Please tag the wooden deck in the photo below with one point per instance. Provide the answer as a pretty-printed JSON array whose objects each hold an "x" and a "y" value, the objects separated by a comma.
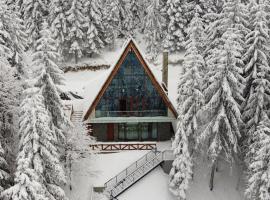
[{"x": 120, "y": 146}]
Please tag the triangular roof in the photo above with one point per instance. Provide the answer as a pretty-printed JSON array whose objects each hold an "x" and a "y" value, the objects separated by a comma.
[{"x": 130, "y": 45}]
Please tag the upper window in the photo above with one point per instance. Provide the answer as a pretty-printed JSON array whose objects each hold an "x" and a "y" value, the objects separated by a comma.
[{"x": 131, "y": 93}]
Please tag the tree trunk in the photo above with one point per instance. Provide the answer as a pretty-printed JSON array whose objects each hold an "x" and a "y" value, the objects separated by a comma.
[
  {"x": 211, "y": 183},
  {"x": 76, "y": 56},
  {"x": 70, "y": 172}
]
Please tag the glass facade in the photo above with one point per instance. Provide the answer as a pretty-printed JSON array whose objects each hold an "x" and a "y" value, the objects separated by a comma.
[
  {"x": 131, "y": 93},
  {"x": 137, "y": 131}
]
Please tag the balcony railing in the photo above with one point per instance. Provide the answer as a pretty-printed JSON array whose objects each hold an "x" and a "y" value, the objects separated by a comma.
[{"x": 143, "y": 113}]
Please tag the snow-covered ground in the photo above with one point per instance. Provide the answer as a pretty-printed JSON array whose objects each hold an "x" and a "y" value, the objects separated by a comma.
[{"x": 95, "y": 170}]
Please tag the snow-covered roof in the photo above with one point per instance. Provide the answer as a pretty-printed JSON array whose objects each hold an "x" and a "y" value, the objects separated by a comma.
[{"x": 94, "y": 87}]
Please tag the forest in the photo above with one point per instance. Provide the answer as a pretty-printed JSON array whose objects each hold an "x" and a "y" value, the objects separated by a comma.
[{"x": 223, "y": 88}]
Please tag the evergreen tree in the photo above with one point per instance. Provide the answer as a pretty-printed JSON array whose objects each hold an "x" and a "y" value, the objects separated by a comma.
[
  {"x": 256, "y": 70},
  {"x": 259, "y": 169},
  {"x": 76, "y": 22},
  {"x": 34, "y": 12},
  {"x": 176, "y": 10},
  {"x": 255, "y": 110},
  {"x": 58, "y": 21},
  {"x": 38, "y": 168},
  {"x": 233, "y": 15},
  {"x": 95, "y": 30},
  {"x": 12, "y": 34},
  {"x": 190, "y": 96},
  {"x": 132, "y": 18},
  {"x": 154, "y": 24},
  {"x": 114, "y": 15},
  {"x": 222, "y": 96},
  {"x": 4, "y": 171},
  {"x": 181, "y": 171},
  {"x": 50, "y": 77}
]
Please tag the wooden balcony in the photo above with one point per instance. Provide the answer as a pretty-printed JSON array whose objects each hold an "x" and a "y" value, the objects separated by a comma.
[{"x": 121, "y": 146}]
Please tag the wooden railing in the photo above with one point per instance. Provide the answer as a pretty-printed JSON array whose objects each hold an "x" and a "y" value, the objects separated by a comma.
[{"x": 119, "y": 146}]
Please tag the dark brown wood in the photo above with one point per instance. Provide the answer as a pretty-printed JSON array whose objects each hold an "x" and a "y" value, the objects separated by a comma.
[
  {"x": 126, "y": 146},
  {"x": 131, "y": 47}
]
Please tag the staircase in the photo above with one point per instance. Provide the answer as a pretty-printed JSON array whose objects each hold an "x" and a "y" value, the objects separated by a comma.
[
  {"x": 129, "y": 176},
  {"x": 76, "y": 117}
]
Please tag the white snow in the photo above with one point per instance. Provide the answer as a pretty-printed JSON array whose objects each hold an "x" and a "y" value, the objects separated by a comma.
[{"x": 95, "y": 170}]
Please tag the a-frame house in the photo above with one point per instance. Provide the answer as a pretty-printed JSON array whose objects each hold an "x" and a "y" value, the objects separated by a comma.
[{"x": 131, "y": 104}]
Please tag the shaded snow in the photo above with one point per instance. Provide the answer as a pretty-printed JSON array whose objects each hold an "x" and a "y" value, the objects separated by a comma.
[
  {"x": 153, "y": 186},
  {"x": 95, "y": 170}
]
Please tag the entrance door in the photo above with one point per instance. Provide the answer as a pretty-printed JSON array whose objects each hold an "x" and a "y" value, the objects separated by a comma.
[{"x": 110, "y": 132}]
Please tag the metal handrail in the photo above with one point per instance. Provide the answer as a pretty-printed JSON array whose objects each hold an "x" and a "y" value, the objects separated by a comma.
[
  {"x": 118, "y": 184},
  {"x": 158, "y": 158},
  {"x": 127, "y": 170}
]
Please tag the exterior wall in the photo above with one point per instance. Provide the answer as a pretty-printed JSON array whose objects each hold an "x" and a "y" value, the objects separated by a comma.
[
  {"x": 100, "y": 132},
  {"x": 164, "y": 131}
]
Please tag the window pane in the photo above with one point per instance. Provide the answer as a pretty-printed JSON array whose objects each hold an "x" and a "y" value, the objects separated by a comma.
[
  {"x": 154, "y": 131},
  {"x": 144, "y": 131}
]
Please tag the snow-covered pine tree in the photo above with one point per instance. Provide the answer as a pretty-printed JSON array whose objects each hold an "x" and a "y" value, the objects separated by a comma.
[
  {"x": 154, "y": 24},
  {"x": 132, "y": 20},
  {"x": 255, "y": 110},
  {"x": 177, "y": 24},
  {"x": 256, "y": 69},
  {"x": 95, "y": 32},
  {"x": 50, "y": 77},
  {"x": 13, "y": 34},
  {"x": 8, "y": 92},
  {"x": 58, "y": 21},
  {"x": 233, "y": 15},
  {"x": 34, "y": 12},
  {"x": 190, "y": 90},
  {"x": 4, "y": 171},
  {"x": 38, "y": 168},
  {"x": 181, "y": 171},
  {"x": 222, "y": 96},
  {"x": 259, "y": 168},
  {"x": 78, "y": 141},
  {"x": 114, "y": 14},
  {"x": 76, "y": 22}
]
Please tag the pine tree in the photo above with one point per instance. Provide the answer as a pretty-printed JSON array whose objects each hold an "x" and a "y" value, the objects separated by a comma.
[
  {"x": 176, "y": 10},
  {"x": 181, "y": 171},
  {"x": 114, "y": 15},
  {"x": 50, "y": 77},
  {"x": 76, "y": 22},
  {"x": 259, "y": 169},
  {"x": 13, "y": 34},
  {"x": 255, "y": 110},
  {"x": 132, "y": 19},
  {"x": 190, "y": 96},
  {"x": 4, "y": 171},
  {"x": 33, "y": 12},
  {"x": 95, "y": 35},
  {"x": 222, "y": 96},
  {"x": 154, "y": 24},
  {"x": 233, "y": 15},
  {"x": 38, "y": 168},
  {"x": 256, "y": 69},
  {"x": 58, "y": 21}
]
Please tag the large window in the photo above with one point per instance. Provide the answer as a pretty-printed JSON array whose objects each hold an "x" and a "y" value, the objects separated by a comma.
[
  {"x": 131, "y": 93},
  {"x": 137, "y": 131}
]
